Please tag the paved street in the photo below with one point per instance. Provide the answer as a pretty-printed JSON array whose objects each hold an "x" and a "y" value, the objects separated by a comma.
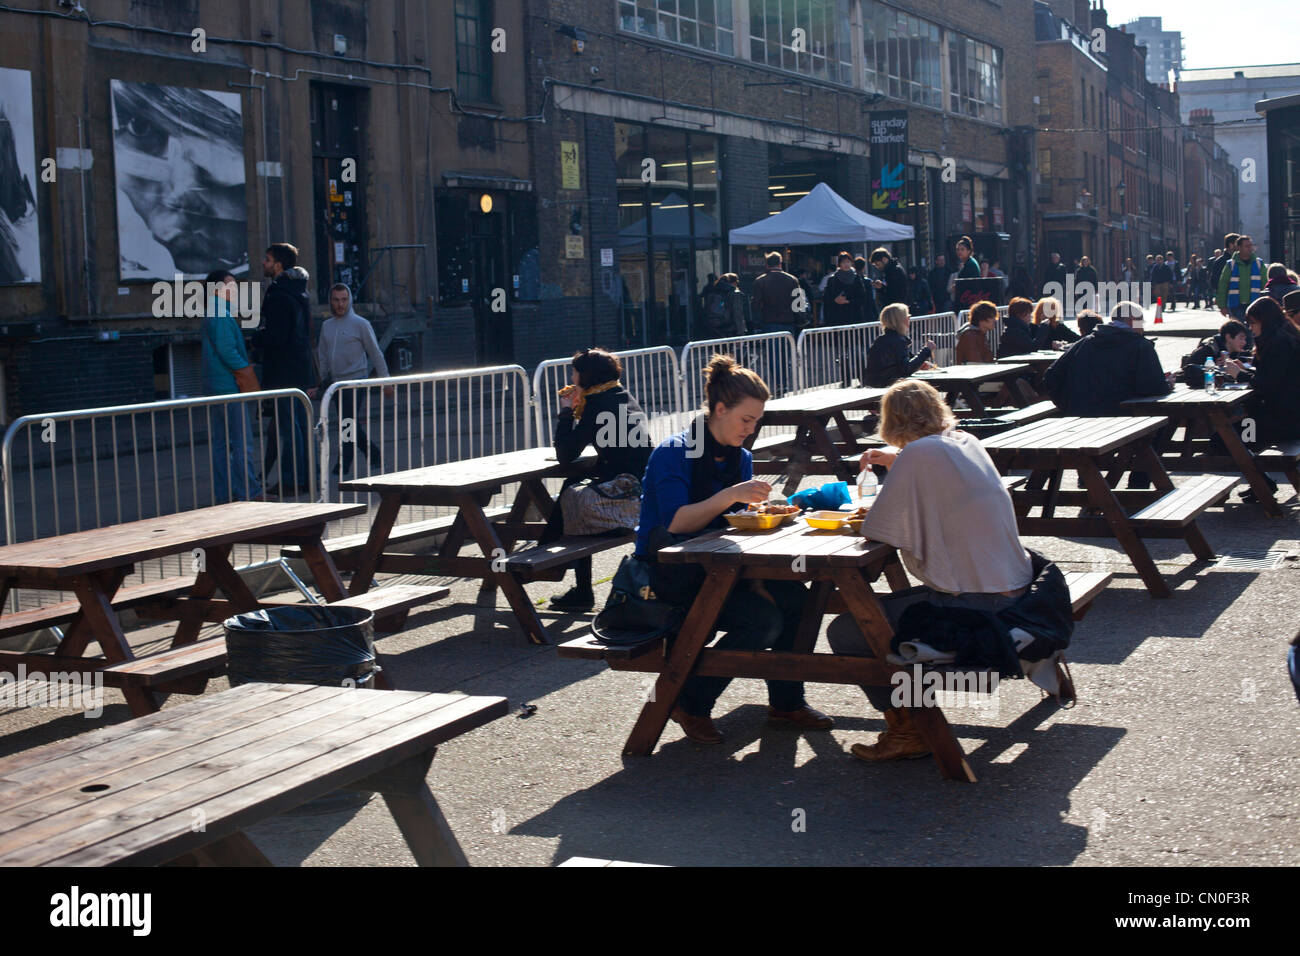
[{"x": 1180, "y": 751}]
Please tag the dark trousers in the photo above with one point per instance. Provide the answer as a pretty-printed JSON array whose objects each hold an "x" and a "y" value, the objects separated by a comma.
[
  {"x": 752, "y": 623},
  {"x": 286, "y": 442},
  {"x": 845, "y": 637}
]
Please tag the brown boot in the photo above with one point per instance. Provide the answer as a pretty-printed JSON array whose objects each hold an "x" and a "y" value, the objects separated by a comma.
[
  {"x": 699, "y": 729},
  {"x": 900, "y": 741}
]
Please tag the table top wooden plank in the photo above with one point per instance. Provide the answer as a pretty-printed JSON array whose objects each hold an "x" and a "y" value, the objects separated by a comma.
[
  {"x": 973, "y": 374},
  {"x": 825, "y": 401},
  {"x": 115, "y": 546},
  {"x": 1185, "y": 399},
  {"x": 472, "y": 474},
  {"x": 817, "y": 548},
  {"x": 350, "y": 754},
  {"x": 344, "y": 731},
  {"x": 1039, "y": 357},
  {"x": 1089, "y": 436}
]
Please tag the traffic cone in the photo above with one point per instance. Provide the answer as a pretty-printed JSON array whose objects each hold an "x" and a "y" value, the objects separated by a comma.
[{"x": 1160, "y": 310}]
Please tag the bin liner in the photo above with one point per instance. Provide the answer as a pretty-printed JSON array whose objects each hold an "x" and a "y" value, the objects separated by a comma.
[{"x": 322, "y": 644}]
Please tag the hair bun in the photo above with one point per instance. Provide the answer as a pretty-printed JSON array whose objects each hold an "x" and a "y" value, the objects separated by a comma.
[{"x": 719, "y": 366}]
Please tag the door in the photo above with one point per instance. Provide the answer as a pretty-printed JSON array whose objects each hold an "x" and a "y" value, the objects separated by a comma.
[
  {"x": 338, "y": 189},
  {"x": 491, "y": 286}
]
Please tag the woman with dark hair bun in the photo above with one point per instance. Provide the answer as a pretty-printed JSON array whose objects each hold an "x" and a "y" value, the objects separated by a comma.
[
  {"x": 693, "y": 479},
  {"x": 1275, "y": 381},
  {"x": 597, "y": 411},
  {"x": 970, "y": 267}
]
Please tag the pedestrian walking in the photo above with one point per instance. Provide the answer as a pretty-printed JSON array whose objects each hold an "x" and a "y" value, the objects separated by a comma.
[
  {"x": 774, "y": 296},
  {"x": 346, "y": 351},
  {"x": 227, "y": 371}
]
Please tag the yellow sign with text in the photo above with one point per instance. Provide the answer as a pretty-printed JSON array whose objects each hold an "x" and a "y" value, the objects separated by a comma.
[
  {"x": 570, "y": 178},
  {"x": 573, "y": 248}
]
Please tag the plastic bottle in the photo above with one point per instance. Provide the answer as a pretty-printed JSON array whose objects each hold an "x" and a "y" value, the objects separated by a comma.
[
  {"x": 1210, "y": 369},
  {"x": 868, "y": 485}
]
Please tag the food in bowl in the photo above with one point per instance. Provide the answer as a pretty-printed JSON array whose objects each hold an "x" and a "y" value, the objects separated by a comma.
[{"x": 837, "y": 520}]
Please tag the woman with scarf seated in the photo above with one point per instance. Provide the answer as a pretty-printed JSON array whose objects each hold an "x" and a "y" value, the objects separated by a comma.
[
  {"x": 597, "y": 411},
  {"x": 693, "y": 479},
  {"x": 965, "y": 547}
]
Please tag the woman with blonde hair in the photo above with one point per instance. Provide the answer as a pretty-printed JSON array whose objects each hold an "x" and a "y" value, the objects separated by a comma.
[
  {"x": 964, "y": 548},
  {"x": 1048, "y": 327},
  {"x": 693, "y": 478},
  {"x": 889, "y": 357}
]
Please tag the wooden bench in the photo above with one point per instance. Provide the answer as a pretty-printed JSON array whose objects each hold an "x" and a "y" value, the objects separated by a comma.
[
  {"x": 1178, "y": 508},
  {"x": 351, "y": 544},
  {"x": 52, "y": 615},
  {"x": 181, "y": 785},
  {"x": 1084, "y": 588},
  {"x": 1283, "y": 457},
  {"x": 208, "y": 657},
  {"x": 548, "y": 562}
]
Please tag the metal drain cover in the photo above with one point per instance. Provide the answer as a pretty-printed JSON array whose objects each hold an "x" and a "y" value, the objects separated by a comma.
[{"x": 1251, "y": 561}]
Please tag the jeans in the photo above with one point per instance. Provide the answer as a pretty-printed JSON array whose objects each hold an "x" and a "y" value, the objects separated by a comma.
[
  {"x": 286, "y": 441},
  {"x": 846, "y": 637},
  {"x": 233, "y": 453},
  {"x": 753, "y": 623}
]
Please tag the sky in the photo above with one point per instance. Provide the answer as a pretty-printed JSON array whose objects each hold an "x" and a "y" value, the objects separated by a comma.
[{"x": 1218, "y": 33}]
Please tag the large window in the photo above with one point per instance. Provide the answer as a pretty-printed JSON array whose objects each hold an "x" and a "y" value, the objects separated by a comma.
[
  {"x": 706, "y": 24},
  {"x": 474, "y": 50},
  {"x": 975, "y": 79},
  {"x": 803, "y": 36},
  {"x": 903, "y": 55}
]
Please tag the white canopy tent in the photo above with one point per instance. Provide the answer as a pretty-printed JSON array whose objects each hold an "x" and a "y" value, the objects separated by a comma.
[{"x": 823, "y": 216}]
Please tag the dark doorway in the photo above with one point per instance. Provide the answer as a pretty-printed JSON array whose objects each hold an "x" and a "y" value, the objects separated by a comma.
[
  {"x": 473, "y": 267},
  {"x": 338, "y": 187}
]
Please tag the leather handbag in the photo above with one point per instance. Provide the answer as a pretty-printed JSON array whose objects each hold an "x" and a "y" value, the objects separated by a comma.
[
  {"x": 591, "y": 507},
  {"x": 634, "y": 613}
]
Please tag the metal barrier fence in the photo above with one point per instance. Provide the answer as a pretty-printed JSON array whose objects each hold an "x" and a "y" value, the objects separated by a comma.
[
  {"x": 939, "y": 327},
  {"x": 651, "y": 375},
  {"x": 88, "y": 468},
  {"x": 381, "y": 425},
  {"x": 771, "y": 355},
  {"x": 834, "y": 355}
]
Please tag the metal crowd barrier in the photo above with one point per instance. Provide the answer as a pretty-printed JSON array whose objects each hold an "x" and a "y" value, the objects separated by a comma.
[
  {"x": 380, "y": 425},
  {"x": 88, "y": 468},
  {"x": 834, "y": 355},
  {"x": 771, "y": 355}
]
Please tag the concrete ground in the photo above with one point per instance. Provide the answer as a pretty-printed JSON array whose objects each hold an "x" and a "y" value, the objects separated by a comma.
[{"x": 1181, "y": 750}]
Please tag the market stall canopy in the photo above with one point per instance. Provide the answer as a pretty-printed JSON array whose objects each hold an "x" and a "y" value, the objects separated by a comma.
[{"x": 821, "y": 216}]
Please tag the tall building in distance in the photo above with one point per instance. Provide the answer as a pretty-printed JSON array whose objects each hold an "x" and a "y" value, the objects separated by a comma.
[{"x": 1164, "y": 47}]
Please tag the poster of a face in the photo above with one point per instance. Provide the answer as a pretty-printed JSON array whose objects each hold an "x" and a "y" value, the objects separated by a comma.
[
  {"x": 20, "y": 230},
  {"x": 179, "y": 158}
]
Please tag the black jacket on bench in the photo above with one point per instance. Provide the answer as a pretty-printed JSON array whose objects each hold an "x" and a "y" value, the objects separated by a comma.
[
  {"x": 983, "y": 639},
  {"x": 607, "y": 414}
]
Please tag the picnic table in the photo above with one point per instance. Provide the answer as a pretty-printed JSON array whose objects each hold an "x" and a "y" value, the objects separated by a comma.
[
  {"x": 1090, "y": 447},
  {"x": 94, "y": 564},
  {"x": 468, "y": 486},
  {"x": 181, "y": 785},
  {"x": 841, "y": 568},
  {"x": 964, "y": 381},
  {"x": 1040, "y": 361},
  {"x": 1203, "y": 414},
  {"x": 811, "y": 414}
]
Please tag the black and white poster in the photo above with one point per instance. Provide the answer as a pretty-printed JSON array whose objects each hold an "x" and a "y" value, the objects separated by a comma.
[
  {"x": 20, "y": 230},
  {"x": 178, "y": 155}
]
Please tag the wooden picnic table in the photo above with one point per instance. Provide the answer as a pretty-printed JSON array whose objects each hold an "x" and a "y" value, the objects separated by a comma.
[
  {"x": 1090, "y": 447},
  {"x": 183, "y": 784},
  {"x": 964, "y": 381},
  {"x": 811, "y": 414},
  {"x": 94, "y": 564},
  {"x": 468, "y": 486},
  {"x": 1040, "y": 361},
  {"x": 1202, "y": 414}
]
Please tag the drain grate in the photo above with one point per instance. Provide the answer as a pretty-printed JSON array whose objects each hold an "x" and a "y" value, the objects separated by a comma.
[{"x": 1251, "y": 561}]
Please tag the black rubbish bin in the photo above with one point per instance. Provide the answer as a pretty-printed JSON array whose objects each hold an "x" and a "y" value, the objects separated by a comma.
[{"x": 312, "y": 644}]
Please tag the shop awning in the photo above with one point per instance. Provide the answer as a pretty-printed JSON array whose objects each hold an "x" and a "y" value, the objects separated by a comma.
[{"x": 821, "y": 216}]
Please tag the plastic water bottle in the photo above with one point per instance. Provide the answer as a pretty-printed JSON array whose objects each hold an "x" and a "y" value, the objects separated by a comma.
[
  {"x": 868, "y": 485},
  {"x": 1210, "y": 369}
]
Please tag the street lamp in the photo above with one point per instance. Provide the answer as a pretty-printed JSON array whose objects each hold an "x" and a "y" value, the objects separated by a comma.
[
  {"x": 1187, "y": 231},
  {"x": 1121, "y": 189}
]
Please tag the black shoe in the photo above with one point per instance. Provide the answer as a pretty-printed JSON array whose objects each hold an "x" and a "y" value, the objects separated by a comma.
[{"x": 577, "y": 600}]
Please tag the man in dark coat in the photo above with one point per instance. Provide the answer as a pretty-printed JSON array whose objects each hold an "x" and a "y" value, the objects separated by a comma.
[
  {"x": 1113, "y": 364},
  {"x": 774, "y": 297},
  {"x": 895, "y": 287},
  {"x": 847, "y": 301},
  {"x": 284, "y": 341},
  {"x": 1056, "y": 272},
  {"x": 938, "y": 279}
]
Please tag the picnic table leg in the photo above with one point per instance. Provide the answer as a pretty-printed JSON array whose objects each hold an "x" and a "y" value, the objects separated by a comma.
[
  {"x": 1101, "y": 495},
  {"x": 810, "y": 623},
  {"x": 382, "y": 527},
  {"x": 695, "y": 632},
  {"x": 1245, "y": 462},
  {"x": 896, "y": 574},
  {"x": 1147, "y": 459},
  {"x": 1034, "y": 483},
  {"x": 848, "y": 438},
  {"x": 416, "y": 812},
  {"x": 491, "y": 545},
  {"x": 517, "y": 514},
  {"x": 233, "y": 850},
  {"x": 102, "y": 621},
  {"x": 323, "y": 571},
  {"x": 824, "y": 446},
  {"x": 79, "y": 632},
  {"x": 930, "y": 721},
  {"x": 1053, "y": 493},
  {"x": 973, "y": 398}
]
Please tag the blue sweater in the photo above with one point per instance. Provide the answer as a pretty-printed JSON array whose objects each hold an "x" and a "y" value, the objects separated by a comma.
[
  {"x": 667, "y": 486},
  {"x": 223, "y": 349}
]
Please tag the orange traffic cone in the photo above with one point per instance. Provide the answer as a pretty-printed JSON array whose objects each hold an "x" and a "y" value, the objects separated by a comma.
[{"x": 1160, "y": 310}]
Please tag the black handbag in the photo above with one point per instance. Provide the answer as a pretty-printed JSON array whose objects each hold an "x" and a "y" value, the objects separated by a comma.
[{"x": 634, "y": 613}]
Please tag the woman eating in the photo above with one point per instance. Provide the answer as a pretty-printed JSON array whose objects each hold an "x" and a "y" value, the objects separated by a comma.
[
  {"x": 963, "y": 547},
  {"x": 692, "y": 480}
]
